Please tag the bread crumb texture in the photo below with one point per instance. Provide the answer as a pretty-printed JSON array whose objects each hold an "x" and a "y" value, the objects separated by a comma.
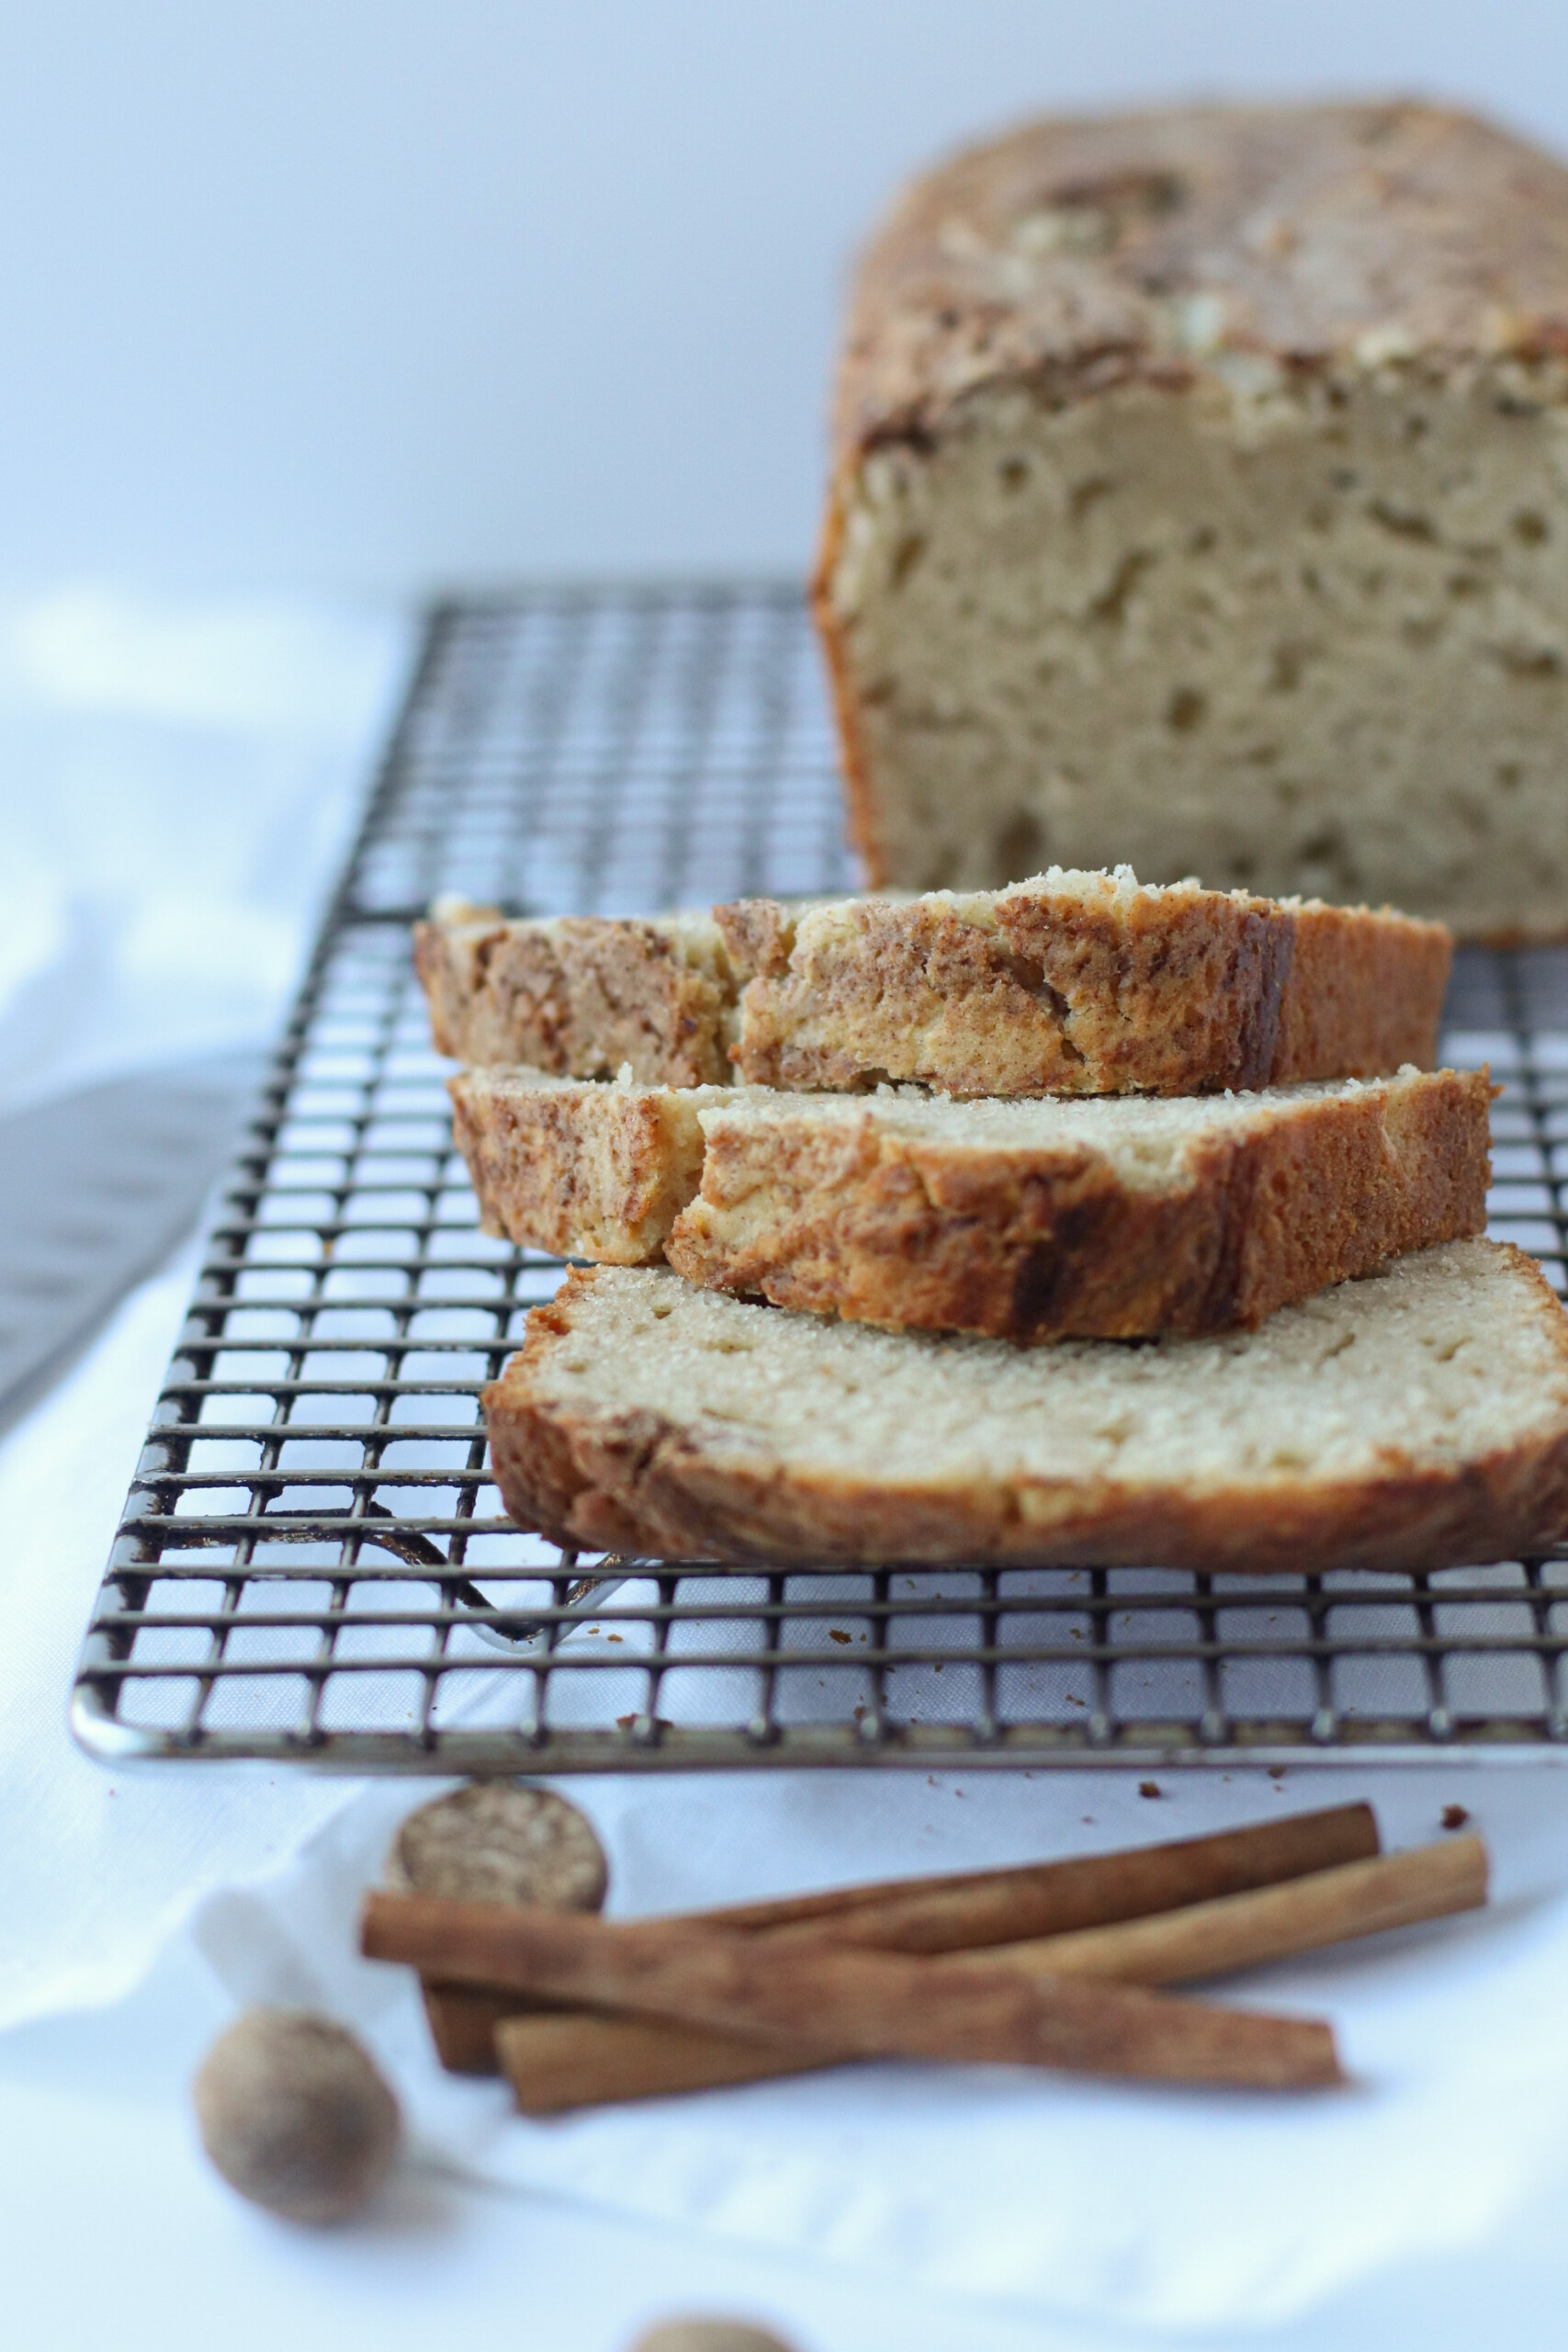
[{"x": 1201, "y": 498}]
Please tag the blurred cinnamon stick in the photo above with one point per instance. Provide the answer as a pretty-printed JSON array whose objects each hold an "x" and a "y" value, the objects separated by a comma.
[
  {"x": 578, "y": 2059},
  {"x": 1273, "y": 1922},
  {"x": 849, "y": 2003},
  {"x": 962, "y": 1911},
  {"x": 969, "y": 1910}
]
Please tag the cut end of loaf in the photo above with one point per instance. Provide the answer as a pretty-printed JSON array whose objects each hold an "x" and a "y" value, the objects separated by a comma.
[{"x": 1141, "y": 516}]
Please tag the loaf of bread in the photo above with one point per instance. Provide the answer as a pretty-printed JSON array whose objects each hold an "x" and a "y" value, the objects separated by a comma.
[
  {"x": 1417, "y": 1419},
  {"x": 1070, "y": 983},
  {"x": 1113, "y": 1216},
  {"x": 1199, "y": 498}
]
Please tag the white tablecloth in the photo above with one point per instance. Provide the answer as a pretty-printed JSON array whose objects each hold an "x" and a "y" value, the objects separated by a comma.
[{"x": 877, "y": 2207}]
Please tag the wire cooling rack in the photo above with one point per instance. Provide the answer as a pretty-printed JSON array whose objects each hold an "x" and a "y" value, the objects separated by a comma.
[{"x": 313, "y": 1564}]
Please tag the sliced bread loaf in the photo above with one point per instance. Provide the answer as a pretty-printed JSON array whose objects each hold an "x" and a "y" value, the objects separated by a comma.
[
  {"x": 1416, "y": 1419},
  {"x": 1107, "y": 1217},
  {"x": 1070, "y": 983}
]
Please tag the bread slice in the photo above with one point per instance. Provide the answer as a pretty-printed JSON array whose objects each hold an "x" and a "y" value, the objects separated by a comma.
[
  {"x": 1113, "y": 1217},
  {"x": 579, "y": 1168},
  {"x": 580, "y": 995},
  {"x": 1088, "y": 984},
  {"x": 1197, "y": 498},
  {"x": 1416, "y": 1419},
  {"x": 1070, "y": 983}
]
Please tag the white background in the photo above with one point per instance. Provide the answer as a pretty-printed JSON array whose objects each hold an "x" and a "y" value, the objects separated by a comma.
[{"x": 367, "y": 294}]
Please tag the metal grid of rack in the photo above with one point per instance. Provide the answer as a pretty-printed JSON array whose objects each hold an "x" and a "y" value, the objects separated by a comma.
[{"x": 313, "y": 1564}]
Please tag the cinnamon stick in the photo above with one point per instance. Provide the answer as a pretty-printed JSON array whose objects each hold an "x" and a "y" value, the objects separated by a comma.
[
  {"x": 968, "y": 1910},
  {"x": 1272, "y": 1922},
  {"x": 581, "y": 2060},
  {"x": 463, "y": 2022},
  {"x": 960, "y": 1911},
  {"x": 864, "y": 2004},
  {"x": 577, "y": 2058}
]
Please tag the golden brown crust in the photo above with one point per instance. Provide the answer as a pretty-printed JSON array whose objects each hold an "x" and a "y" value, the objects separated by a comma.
[
  {"x": 582, "y": 1171},
  {"x": 638, "y": 1482},
  {"x": 577, "y": 997},
  {"x": 853, "y": 1218},
  {"x": 1073, "y": 256},
  {"x": 1091, "y": 992}
]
